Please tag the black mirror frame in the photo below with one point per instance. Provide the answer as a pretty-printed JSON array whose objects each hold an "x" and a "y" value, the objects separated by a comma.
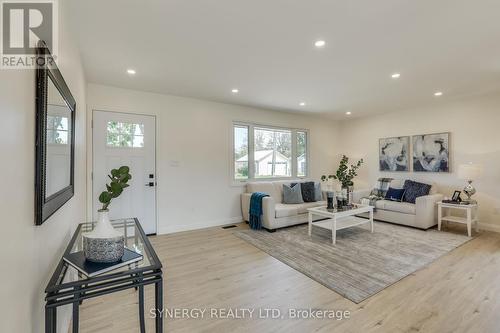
[{"x": 46, "y": 67}]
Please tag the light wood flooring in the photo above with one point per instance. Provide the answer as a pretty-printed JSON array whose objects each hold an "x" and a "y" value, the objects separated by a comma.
[{"x": 212, "y": 268}]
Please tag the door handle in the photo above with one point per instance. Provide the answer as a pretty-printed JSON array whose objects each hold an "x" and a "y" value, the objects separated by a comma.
[{"x": 150, "y": 184}]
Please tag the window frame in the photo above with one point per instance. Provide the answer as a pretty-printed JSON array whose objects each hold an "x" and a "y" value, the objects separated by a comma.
[{"x": 251, "y": 158}]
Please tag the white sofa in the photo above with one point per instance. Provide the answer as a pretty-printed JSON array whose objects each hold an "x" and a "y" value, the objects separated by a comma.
[
  {"x": 422, "y": 214},
  {"x": 276, "y": 214}
]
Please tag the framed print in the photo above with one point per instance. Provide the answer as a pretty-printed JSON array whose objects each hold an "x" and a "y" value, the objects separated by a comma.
[
  {"x": 394, "y": 154},
  {"x": 431, "y": 152}
]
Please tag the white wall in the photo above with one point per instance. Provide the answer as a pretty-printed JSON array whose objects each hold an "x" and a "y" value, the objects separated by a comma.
[
  {"x": 475, "y": 137},
  {"x": 30, "y": 253},
  {"x": 197, "y": 134}
]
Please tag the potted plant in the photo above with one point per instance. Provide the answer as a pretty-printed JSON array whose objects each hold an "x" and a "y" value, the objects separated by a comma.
[
  {"x": 345, "y": 175},
  {"x": 104, "y": 243}
]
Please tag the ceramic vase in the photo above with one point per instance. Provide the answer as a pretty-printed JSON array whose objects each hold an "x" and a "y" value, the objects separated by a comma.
[{"x": 104, "y": 244}]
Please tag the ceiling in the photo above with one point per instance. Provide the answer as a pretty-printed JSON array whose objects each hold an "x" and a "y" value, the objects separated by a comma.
[{"x": 265, "y": 48}]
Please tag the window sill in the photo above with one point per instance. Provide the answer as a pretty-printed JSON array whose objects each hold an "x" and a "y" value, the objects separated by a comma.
[{"x": 241, "y": 183}]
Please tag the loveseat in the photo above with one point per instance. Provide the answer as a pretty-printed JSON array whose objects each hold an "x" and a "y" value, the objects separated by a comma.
[
  {"x": 276, "y": 214},
  {"x": 422, "y": 214}
]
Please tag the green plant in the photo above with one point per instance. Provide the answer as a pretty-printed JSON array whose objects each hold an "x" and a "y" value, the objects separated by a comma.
[
  {"x": 119, "y": 178},
  {"x": 345, "y": 173}
]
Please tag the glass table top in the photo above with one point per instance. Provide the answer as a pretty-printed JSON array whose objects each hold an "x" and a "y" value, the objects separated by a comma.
[
  {"x": 338, "y": 210},
  {"x": 349, "y": 210},
  {"x": 135, "y": 240}
]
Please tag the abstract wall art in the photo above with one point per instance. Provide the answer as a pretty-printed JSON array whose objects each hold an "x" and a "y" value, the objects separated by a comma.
[
  {"x": 431, "y": 152},
  {"x": 394, "y": 154}
]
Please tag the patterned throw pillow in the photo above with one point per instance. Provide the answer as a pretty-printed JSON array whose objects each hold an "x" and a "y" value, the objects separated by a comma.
[
  {"x": 308, "y": 192},
  {"x": 292, "y": 194},
  {"x": 413, "y": 190},
  {"x": 381, "y": 188}
]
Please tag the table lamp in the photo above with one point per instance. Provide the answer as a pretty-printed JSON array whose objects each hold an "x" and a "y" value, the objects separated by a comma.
[{"x": 469, "y": 172}]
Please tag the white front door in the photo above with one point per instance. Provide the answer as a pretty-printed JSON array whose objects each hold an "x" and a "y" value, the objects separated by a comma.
[{"x": 126, "y": 139}]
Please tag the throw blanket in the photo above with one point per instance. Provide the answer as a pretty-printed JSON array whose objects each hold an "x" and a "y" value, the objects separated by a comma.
[
  {"x": 378, "y": 193},
  {"x": 256, "y": 210}
]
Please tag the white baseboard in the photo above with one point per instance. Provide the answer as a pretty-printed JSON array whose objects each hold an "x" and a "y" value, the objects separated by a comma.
[
  {"x": 200, "y": 225},
  {"x": 238, "y": 219},
  {"x": 489, "y": 227}
]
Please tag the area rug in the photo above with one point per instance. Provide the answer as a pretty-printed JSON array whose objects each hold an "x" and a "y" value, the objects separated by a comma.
[{"x": 361, "y": 263}]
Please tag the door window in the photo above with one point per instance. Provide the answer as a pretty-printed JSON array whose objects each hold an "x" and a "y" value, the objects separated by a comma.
[{"x": 124, "y": 135}]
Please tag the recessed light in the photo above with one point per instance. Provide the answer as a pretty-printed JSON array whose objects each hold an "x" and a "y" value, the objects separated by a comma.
[
  {"x": 348, "y": 113},
  {"x": 302, "y": 103},
  {"x": 395, "y": 75},
  {"x": 131, "y": 71},
  {"x": 438, "y": 93},
  {"x": 235, "y": 91},
  {"x": 319, "y": 43}
]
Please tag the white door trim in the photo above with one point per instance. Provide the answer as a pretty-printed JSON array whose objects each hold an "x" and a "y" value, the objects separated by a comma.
[{"x": 90, "y": 157}]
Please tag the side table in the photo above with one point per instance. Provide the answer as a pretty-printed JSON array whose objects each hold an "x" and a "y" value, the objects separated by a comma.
[{"x": 471, "y": 215}]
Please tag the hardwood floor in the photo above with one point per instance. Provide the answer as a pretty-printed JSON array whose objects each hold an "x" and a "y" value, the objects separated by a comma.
[{"x": 211, "y": 268}]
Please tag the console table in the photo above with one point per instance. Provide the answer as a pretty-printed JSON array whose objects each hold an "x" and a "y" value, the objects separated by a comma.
[{"x": 62, "y": 291}]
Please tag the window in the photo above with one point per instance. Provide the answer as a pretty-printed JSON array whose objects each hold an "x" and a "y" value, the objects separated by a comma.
[
  {"x": 240, "y": 152},
  {"x": 301, "y": 154},
  {"x": 262, "y": 152},
  {"x": 272, "y": 153},
  {"x": 125, "y": 135},
  {"x": 57, "y": 130}
]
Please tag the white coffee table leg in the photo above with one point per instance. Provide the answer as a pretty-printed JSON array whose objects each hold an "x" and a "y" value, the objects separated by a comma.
[
  {"x": 309, "y": 220},
  {"x": 334, "y": 231},
  {"x": 371, "y": 220},
  {"x": 440, "y": 216}
]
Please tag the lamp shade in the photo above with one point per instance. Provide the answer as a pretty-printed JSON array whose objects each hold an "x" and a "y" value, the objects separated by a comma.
[{"x": 469, "y": 171}]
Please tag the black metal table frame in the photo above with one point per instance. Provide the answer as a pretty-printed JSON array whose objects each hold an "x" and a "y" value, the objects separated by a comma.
[{"x": 76, "y": 291}]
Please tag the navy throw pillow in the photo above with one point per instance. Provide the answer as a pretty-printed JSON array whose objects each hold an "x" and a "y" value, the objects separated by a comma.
[
  {"x": 413, "y": 190},
  {"x": 308, "y": 191},
  {"x": 395, "y": 194}
]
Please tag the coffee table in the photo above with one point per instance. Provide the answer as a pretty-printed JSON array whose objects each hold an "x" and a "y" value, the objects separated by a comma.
[{"x": 338, "y": 219}]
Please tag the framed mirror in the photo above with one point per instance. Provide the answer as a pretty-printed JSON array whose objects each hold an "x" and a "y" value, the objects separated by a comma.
[{"x": 55, "y": 137}]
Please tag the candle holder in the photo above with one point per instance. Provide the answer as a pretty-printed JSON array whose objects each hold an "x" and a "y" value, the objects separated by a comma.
[{"x": 329, "y": 200}]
